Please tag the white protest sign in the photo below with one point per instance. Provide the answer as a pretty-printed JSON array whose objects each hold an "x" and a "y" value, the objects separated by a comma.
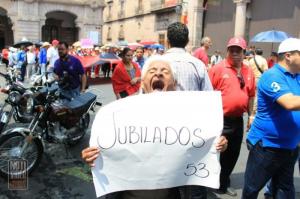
[
  {"x": 94, "y": 36},
  {"x": 158, "y": 140}
]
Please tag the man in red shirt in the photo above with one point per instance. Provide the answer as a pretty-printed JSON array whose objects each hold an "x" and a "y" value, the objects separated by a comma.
[
  {"x": 273, "y": 59},
  {"x": 236, "y": 82},
  {"x": 201, "y": 53},
  {"x": 5, "y": 52}
]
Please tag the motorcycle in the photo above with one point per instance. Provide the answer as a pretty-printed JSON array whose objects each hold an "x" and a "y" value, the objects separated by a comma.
[
  {"x": 57, "y": 119},
  {"x": 11, "y": 107}
]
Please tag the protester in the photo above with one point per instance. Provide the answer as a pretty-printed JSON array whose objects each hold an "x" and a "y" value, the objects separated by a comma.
[
  {"x": 201, "y": 53},
  {"x": 5, "y": 53},
  {"x": 273, "y": 59},
  {"x": 259, "y": 65},
  {"x": 31, "y": 60},
  {"x": 191, "y": 72},
  {"x": 22, "y": 62},
  {"x": 157, "y": 75},
  {"x": 191, "y": 75},
  {"x": 12, "y": 57},
  {"x": 237, "y": 84},
  {"x": 275, "y": 131},
  {"x": 126, "y": 77},
  {"x": 139, "y": 57},
  {"x": 69, "y": 70},
  {"x": 52, "y": 55},
  {"x": 216, "y": 58},
  {"x": 43, "y": 57}
]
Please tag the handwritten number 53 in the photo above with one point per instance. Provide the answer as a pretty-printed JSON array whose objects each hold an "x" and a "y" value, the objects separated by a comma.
[{"x": 198, "y": 170}]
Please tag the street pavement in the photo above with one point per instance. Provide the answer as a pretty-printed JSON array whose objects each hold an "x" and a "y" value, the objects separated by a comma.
[{"x": 62, "y": 174}]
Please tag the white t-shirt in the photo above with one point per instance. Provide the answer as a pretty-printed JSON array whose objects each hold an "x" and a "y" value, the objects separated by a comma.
[
  {"x": 31, "y": 58},
  {"x": 52, "y": 56}
]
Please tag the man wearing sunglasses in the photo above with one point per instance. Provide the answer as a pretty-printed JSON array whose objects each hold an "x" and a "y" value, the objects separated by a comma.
[
  {"x": 275, "y": 131},
  {"x": 236, "y": 82}
]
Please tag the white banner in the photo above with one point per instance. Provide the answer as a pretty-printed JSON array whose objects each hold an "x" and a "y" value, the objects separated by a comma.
[
  {"x": 94, "y": 36},
  {"x": 158, "y": 140}
]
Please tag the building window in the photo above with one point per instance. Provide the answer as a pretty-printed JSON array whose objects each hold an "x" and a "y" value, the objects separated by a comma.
[
  {"x": 109, "y": 34},
  {"x": 121, "y": 33},
  {"x": 139, "y": 8},
  {"x": 121, "y": 13},
  {"x": 109, "y": 15},
  {"x": 162, "y": 39}
]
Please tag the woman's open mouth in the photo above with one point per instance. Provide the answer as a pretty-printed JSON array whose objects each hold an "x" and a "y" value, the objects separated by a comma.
[{"x": 158, "y": 85}]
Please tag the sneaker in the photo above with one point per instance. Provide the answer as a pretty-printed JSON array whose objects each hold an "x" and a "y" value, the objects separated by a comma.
[{"x": 231, "y": 192}]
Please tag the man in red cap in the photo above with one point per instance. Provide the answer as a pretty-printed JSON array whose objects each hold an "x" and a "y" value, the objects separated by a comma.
[{"x": 236, "y": 82}]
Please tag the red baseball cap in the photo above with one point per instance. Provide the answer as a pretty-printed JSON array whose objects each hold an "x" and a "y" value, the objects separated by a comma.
[
  {"x": 237, "y": 41},
  {"x": 55, "y": 42}
]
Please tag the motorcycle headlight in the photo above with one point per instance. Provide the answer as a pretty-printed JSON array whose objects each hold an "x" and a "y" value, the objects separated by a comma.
[
  {"x": 26, "y": 104},
  {"x": 14, "y": 97}
]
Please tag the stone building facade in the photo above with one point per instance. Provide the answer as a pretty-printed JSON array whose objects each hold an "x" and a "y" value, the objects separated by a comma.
[
  {"x": 44, "y": 20},
  {"x": 135, "y": 20}
]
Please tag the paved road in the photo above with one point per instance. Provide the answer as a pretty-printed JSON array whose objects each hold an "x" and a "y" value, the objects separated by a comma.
[{"x": 63, "y": 175}]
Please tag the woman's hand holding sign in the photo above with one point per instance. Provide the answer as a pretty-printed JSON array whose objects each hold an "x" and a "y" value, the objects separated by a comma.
[{"x": 90, "y": 154}]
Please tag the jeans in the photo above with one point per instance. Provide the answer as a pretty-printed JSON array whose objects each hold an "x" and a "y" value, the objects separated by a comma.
[
  {"x": 43, "y": 68},
  {"x": 72, "y": 93},
  {"x": 265, "y": 163}
]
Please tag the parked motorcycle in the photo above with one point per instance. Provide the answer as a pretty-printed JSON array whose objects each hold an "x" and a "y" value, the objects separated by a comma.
[
  {"x": 15, "y": 91},
  {"x": 57, "y": 119}
]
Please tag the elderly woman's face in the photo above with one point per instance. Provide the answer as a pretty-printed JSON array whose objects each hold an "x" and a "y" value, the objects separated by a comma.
[{"x": 158, "y": 77}]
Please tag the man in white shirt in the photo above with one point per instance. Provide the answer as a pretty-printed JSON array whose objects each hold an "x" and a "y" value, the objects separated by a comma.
[
  {"x": 31, "y": 61},
  {"x": 216, "y": 58},
  {"x": 52, "y": 55},
  {"x": 191, "y": 72}
]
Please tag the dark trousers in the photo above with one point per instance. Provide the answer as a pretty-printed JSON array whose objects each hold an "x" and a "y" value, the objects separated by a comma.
[
  {"x": 193, "y": 192},
  {"x": 266, "y": 163},
  {"x": 5, "y": 61},
  {"x": 23, "y": 71},
  {"x": 233, "y": 131}
]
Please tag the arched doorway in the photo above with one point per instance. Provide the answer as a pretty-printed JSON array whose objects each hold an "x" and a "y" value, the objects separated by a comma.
[
  {"x": 6, "y": 33},
  {"x": 60, "y": 25}
]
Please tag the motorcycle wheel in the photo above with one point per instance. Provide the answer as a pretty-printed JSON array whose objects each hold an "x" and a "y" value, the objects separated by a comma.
[
  {"x": 10, "y": 149},
  {"x": 83, "y": 127}
]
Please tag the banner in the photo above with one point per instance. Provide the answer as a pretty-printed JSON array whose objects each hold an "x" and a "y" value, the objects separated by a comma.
[{"x": 158, "y": 140}]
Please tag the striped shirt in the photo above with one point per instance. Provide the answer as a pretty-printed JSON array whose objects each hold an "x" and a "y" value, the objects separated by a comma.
[{"x": 191, "y": 73}]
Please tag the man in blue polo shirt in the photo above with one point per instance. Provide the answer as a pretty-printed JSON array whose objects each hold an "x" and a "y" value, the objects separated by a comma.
[
  {"x": 275, "y": 131},
  {"x": 70, "y": 70}
]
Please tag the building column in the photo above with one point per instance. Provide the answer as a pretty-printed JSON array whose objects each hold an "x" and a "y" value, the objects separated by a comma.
[
  {"x": 42, "y": 23},
  {"x": 195, "y": 19},
  {"x": 81, "y": 29},
  {"x": 240, "y": 17}
]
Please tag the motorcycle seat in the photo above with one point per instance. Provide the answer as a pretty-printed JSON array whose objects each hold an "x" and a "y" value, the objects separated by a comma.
[{"x": 81, "y": 103}]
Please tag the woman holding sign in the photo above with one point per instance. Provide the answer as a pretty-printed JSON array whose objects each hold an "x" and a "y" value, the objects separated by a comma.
[
  {"x": 156, "y": 76},
  {"x": 126, "y": 77}
]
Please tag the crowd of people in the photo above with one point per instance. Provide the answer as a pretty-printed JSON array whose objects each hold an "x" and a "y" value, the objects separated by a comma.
[{"x": 267, "y": 90}]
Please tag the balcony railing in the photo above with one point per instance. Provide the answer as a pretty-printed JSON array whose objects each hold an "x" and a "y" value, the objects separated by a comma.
[{"x": 162, "y": 4}]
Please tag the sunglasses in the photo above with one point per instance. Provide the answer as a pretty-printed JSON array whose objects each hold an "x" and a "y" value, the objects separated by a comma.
[{"x": 241, "y": 80}]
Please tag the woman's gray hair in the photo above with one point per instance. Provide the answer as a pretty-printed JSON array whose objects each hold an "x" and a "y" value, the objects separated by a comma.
[{"x": 158, "y": 58}]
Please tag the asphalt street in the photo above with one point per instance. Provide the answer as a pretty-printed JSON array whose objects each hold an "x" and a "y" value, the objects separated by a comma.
[{"x": 62, "y": 174}]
